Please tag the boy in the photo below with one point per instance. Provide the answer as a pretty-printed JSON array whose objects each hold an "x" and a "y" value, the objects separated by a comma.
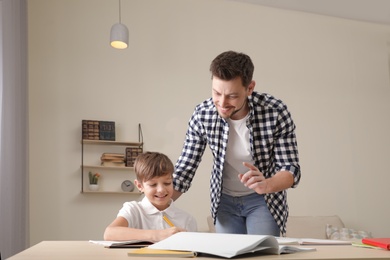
[{"x": 155, "y": 217}]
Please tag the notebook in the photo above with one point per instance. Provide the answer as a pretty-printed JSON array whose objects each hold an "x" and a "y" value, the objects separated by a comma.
[{"x": 122, "y": 244}]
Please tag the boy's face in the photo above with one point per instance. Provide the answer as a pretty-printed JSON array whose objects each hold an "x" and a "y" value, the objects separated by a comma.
[{"x": 158, "y": 190}]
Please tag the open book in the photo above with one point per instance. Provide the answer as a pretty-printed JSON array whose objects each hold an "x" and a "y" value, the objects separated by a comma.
[{"x": 225, "y": 245}]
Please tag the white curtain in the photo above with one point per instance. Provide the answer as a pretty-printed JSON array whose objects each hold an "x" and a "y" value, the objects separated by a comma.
[{"x": 14, "y": 129}]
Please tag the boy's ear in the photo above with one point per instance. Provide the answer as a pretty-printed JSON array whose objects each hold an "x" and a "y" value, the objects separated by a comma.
[{"x": 139, "y": 185}]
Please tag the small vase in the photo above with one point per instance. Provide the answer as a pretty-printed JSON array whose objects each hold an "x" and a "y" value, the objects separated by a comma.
[{"x": 93, "y": 187}]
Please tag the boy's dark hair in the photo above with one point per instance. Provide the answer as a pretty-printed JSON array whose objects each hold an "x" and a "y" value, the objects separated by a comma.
[
  {"x": 230, "y": 65},
  {"x": 152, "y": 164}
]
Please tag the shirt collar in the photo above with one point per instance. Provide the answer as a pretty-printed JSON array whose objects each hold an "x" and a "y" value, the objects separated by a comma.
[
  {"x": 150, "y": 209},
  {"x": 250, "y": 104}
]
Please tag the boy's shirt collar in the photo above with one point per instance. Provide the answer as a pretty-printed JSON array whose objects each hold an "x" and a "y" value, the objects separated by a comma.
[{"x": 150, "y": 209}]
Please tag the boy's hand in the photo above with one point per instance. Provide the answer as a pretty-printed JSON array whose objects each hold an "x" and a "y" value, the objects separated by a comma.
[{"x": 164, "y": 233}]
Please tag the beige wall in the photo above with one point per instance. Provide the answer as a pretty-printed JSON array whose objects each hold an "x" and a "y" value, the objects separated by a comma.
[{"x": 332, "y": 73}]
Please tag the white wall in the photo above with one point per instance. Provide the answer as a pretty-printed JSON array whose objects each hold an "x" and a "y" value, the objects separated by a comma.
[{"x": 332, "y": 73}]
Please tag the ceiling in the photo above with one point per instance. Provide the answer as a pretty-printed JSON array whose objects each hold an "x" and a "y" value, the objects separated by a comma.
[{"x": 376, "y": 11}]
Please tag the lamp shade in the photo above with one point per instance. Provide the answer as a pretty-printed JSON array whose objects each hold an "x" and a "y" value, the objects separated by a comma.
[{"x": 119, "y": 36}]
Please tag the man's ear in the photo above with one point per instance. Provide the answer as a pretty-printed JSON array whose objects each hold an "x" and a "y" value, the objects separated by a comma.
[
  {"x": 251, "y": 87},
  {"x": 139, "y": 185}
]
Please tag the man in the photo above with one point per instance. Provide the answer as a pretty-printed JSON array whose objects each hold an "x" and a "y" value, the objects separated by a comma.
[{"x": 252, "y": 139}]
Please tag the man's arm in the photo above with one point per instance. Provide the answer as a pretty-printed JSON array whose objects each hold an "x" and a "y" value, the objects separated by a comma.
[
  {"x": 255, "y": 180},
  {"x": 280, "y": 181}
]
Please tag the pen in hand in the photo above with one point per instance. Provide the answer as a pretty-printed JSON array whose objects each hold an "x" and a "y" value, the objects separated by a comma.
[{"x": 168, "y": 221}]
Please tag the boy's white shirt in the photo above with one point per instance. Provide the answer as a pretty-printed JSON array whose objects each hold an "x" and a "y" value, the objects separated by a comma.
[{"x": 143, "y": 215}]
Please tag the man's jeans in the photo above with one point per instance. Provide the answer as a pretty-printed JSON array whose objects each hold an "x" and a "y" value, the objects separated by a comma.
[{"x": 245, "y": 215}]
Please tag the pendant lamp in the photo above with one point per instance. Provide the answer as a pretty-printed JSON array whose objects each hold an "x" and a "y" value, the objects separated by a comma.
[{"x": 119, "y": 35}]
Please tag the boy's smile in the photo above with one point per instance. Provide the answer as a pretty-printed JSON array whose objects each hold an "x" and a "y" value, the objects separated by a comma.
[{"x": 158, "y": 190}]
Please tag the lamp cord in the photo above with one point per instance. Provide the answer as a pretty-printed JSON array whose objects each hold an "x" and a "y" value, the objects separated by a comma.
[{"x": 120, "y": 18}]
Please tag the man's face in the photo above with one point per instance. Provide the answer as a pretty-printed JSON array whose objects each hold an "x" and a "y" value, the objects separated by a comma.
[{"x": 230, "y": 97}]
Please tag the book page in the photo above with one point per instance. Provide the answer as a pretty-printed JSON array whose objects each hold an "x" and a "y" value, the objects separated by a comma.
[
  {"x": 292, "y": 249},
  {"x": 310, "y": 241},
  {"x": 313, "y": 241},
  {"x": 225, "y": 245}
]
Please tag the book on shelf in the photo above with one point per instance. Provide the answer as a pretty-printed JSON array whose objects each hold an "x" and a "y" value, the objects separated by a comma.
[
  {"x": 113, "y": 164},
  {"x": 113, "y": 155},
  {"x": 382, "y": 242},
  {"x": 113, "y": 159},
  {"x": 122, "y": 244},
  {"x": 225, "y": 245}
]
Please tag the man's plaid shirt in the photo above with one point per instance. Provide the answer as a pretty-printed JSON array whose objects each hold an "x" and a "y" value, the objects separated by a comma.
[{"x": 273, "y": 146}]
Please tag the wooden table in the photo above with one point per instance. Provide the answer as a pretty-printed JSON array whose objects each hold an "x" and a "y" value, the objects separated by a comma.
[{"x": 75, "y": 250}]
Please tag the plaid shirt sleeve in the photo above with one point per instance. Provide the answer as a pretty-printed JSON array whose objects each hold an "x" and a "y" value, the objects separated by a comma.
[
  {"x": 191, "y": 156},
  {"x": 274, "y": 141},
  {"x": 286, "y": 151}
]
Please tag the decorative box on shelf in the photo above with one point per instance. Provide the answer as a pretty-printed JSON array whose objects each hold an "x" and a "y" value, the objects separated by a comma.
[
  {"x": 90, "y": 129},
  {"x": 107, "y": 130},
  {"x": 98, "y": 130},
  {"x": 131, "y": 155}
]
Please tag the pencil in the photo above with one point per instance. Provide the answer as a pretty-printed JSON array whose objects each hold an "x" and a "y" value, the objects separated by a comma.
[{"x": 168, "y": 221}]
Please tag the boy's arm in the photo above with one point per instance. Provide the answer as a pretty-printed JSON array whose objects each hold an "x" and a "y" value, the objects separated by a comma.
[{"x": 118, "y": 230}]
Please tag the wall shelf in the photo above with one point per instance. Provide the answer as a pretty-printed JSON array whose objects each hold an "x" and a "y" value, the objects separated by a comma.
[
  {"x": 105, "y": 146},
  {"x": 103, "y": 142},
  {"x": 124, "y": 168}
]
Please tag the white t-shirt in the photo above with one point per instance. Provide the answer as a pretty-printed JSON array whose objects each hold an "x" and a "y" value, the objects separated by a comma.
[
  {"x": 143, "y": 215},
  {"x": 238, "y": 151}
]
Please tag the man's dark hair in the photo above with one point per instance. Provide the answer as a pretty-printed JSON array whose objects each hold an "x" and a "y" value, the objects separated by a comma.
[{"x": 230, "y": 65}]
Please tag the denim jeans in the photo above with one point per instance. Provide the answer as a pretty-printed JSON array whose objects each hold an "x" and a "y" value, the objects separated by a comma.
[{"x": 245, "y": 215}]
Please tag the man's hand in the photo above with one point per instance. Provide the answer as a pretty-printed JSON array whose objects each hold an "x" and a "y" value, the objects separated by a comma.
[{"x": 253, "y": 179}]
